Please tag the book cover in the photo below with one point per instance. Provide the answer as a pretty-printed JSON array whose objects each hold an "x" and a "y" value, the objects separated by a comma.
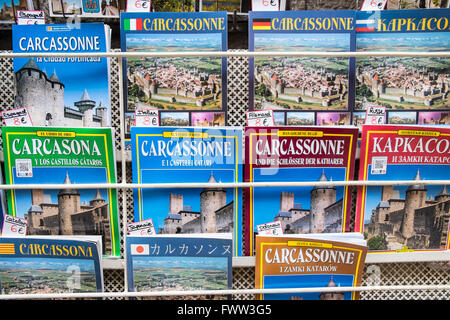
[
  {"x": 179, "y": 262},
  {"x": 9, "y": 8},
  {"x": 45, "y": 265},
  {"x": 302, "y": 262},
  {"x": 2, "y": 201},
  {"x": 74, "y": 90},
  {"x": 298, "y": 154},
  {"x": 414, "y": 90},
  {"x": 412, "y": 217},
  {"x": 189, "y": 155},
  {"x": 84, "y": 8},
  {"x": 66, "y": 156},
  {"x": 186, "y": 90},
  {"x": 307, "y": 90}
]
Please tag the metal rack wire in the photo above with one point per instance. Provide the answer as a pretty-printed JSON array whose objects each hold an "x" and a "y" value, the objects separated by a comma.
[{"x": 442, "y": 259}]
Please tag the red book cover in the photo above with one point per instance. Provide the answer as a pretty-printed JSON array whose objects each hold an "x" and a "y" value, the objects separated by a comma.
[
  {"x": 404, "y": 217},
  {"x": 293, "y": 154}
]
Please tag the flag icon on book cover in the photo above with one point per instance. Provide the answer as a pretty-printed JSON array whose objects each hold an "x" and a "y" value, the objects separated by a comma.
[
  {"x": 365, "y": 25},
  {"x": 140, "y": 249},
  {"x": 132, "y": 24},
  {"x": 7, "y": 248},
  {"x": 262, "y": 24}
]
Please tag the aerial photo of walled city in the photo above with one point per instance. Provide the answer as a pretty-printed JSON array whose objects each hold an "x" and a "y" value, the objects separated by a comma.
[
  {"x": 403, "y": 83},
  {"x": 35, "y": 275},
  {"x": 181, "y": 83},
  {"x": 301, "y": 83},
  {"x": 179, "y": 273}
]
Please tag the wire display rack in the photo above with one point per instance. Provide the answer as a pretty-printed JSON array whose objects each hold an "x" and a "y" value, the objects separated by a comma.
[{"x": 387, "y": 276}]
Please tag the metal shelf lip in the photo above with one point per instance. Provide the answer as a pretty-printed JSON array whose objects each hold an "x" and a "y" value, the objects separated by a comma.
[
  {"x": 219, "y": 292},
  {"x": 227, "y": 184},
  {"x": 111, "y": 54},
  {"x": 371, "y": 258}
]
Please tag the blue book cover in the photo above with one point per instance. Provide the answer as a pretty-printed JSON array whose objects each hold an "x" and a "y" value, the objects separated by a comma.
[
  {"x": 414, "y": 90},
  {"x": 189, "y": 155},
  {"x": 179, "y": 262},
  {"x": 186, "y": 90},
  {"x": 302, "y": 90},
  {"x": 63, "y": 91},
  {"x": 33, "y": 265}
]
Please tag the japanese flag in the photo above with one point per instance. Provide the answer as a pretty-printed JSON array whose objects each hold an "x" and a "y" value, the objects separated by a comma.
[{"x": 140, "y": 249}]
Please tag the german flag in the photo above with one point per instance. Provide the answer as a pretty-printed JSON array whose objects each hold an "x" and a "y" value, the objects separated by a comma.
[
  {"x": 262, "y": 24},
  {"x": 7, "y": 248}
]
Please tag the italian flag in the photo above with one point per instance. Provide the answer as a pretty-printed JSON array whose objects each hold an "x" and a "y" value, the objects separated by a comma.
[{"x": 132, "y": 24}]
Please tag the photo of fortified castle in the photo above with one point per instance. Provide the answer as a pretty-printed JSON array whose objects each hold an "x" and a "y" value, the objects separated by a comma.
[
  {"x": 52, "y": 102},
  {"x": 300, "y": 83},
  {"x": 175, "y": 83},
  {"x": 215, "y": 215},
  {"x": 417, "y": 217},
  {"x": 324, "y": 215},
  {"x": 70, "y": 214},
  {"x": 403, "y": 83},
  {"x": 7, "y": 9}
]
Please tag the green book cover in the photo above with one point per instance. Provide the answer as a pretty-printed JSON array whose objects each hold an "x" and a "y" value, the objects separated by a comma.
[{"x": 67, "y": 156}]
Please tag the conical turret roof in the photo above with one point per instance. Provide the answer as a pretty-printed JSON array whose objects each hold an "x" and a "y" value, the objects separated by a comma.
[
  {"x": 68, "y": 191},
  {"x": 417, "y": 187}
]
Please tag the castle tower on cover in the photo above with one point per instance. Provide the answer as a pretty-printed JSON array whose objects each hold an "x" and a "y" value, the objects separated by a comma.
[
  {"x": 321, "y": 198},
  {"x": 68, "y": 203},
  {"x": 323, "y": 215},
  {"x": 416, "y": 195},
  {"x": 215, "y": 214},
  {"x": 43, "y": 97},
  {"x": 211, "y": 199}
]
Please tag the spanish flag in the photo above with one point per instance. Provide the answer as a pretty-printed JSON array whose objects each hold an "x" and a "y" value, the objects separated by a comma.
[
  {"x": 262, "y": 24},
  {"x": 7, "y": 248}
]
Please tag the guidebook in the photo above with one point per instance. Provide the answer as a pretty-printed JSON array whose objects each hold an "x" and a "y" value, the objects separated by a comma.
[
  {"x": 189, "y": 155},
  {"x": 414, "y": 90},
  {"x": 63, "y": 91},
  {"x": 302, "y": 90},
  {"x": 45, "y": 265},
  {"x": 309, "y": 261},
  {"x": 187, "y": 90},
  {"x": 412, "y": 217},
  {"x": 179, "y": 262},
  {"x": 298, "y": 154},
  {"x": 8, "y": 12},
  {"x": 66, "y": 156}
]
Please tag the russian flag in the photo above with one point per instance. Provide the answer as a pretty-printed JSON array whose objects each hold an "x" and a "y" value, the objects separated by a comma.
[
  {"x": 132, "y": 24},
  {"x": 365, "y": 25}
]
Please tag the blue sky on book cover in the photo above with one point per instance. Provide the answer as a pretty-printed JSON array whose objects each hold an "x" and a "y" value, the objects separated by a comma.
[{"x": 162, "y": 155}]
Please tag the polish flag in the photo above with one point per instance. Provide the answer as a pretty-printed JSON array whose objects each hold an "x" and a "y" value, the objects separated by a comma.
[{"x": 137, "y": 249}]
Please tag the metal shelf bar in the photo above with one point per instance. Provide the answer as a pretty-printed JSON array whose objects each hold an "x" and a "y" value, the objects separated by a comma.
[
  {"x": 227, "y": 184},
  {"x": 229, "y": 54},
  {"x": 219, "y": 292}
]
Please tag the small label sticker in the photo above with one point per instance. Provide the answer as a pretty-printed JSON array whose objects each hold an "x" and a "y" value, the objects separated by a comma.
[
  {"x": 24, "y": 168},
  {"x": 379, "y": 165}
]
